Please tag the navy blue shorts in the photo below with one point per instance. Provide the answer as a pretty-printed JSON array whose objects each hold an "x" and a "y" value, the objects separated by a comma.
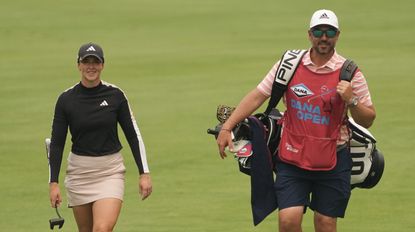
[{"x": 326, "y": 192}]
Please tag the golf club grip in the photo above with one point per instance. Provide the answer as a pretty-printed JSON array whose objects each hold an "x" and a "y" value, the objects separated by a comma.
[
  {"x": 212, "y": 131},
  {"x": 47, "y": 145}
]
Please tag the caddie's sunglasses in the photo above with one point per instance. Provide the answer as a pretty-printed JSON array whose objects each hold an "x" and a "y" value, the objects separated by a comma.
[{"x": 318, "y": 33}]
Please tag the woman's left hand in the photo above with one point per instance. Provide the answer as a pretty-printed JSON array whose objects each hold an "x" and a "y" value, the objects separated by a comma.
[{"x": 145, "y": 186}]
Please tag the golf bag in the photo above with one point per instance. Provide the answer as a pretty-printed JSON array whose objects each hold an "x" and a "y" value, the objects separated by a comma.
[
  {"x": 242, "y": 137},
  {"x": 368, "y": 161}
]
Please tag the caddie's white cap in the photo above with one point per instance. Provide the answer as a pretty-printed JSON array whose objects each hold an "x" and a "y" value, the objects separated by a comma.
[{"x": 324, "y": 17}]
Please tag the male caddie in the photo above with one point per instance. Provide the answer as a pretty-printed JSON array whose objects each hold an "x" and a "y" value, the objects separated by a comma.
[{"x": 314, "y": 162}]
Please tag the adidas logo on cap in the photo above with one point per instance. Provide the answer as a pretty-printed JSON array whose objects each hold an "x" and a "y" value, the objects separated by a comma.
[
  {"x": 91, "y": 48},
  {"x": 323, "y": 16}
]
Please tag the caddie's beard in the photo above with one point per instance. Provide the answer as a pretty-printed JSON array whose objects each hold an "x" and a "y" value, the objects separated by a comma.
[{"x": 324, "y": 48}]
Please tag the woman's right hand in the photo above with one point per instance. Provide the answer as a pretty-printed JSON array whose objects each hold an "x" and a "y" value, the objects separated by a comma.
[{"x": 54, "y": 194}]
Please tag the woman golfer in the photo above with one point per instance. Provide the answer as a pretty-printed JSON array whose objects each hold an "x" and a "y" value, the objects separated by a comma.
[{"x": 94, "y": 178}]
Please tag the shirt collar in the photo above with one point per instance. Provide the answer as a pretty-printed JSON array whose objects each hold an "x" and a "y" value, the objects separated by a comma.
[{"x": 331, "y": 64}]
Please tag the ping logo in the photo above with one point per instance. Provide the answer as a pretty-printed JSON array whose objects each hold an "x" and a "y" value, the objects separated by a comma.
[
  {"x": 287, "y": 66},
  {"x": 301, "y": 90},
  {"x": 91, "y": 48}
]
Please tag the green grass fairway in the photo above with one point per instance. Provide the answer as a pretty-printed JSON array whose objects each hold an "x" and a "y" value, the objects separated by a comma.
[{"x": 177, "y": 60}]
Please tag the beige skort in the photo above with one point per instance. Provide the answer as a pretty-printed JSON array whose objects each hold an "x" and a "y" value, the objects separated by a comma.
[{"x": 89, "y": 179}]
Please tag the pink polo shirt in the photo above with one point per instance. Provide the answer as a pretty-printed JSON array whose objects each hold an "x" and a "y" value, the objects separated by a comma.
[{"x": 359, "y": 85}]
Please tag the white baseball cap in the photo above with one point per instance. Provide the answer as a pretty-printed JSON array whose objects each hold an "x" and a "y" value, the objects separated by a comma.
[{"x": 324, "y": 17}]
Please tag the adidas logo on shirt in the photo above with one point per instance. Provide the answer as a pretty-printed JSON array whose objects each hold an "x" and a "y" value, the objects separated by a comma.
[
  {"x": 91, "y": 48},
  {"x": 104, "y": 103}
]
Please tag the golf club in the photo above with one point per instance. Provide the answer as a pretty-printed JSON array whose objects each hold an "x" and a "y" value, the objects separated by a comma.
[
  {"x": 56, "y": 221},
  {"x": 59, "y": 220}
]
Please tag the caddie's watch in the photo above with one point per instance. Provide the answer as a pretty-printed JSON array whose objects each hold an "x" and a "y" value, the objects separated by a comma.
[{"x": 353, "y": 102}]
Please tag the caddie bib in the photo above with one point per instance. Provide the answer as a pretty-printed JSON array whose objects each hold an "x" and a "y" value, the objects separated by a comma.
[{"x": 311, "y": 124}]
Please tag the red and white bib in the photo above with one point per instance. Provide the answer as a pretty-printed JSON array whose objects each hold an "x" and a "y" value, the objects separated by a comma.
[{"x": 311, "y": 124}]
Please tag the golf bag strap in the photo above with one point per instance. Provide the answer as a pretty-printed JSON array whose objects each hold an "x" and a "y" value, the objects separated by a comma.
[
  {"x": 285, "y": 71},
  {"x": 347, "y": 70},
  {"x": 346, "y": 74}
]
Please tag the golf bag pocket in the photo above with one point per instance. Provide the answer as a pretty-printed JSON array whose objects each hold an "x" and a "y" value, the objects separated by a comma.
[{"x": 311, "y": 153}]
